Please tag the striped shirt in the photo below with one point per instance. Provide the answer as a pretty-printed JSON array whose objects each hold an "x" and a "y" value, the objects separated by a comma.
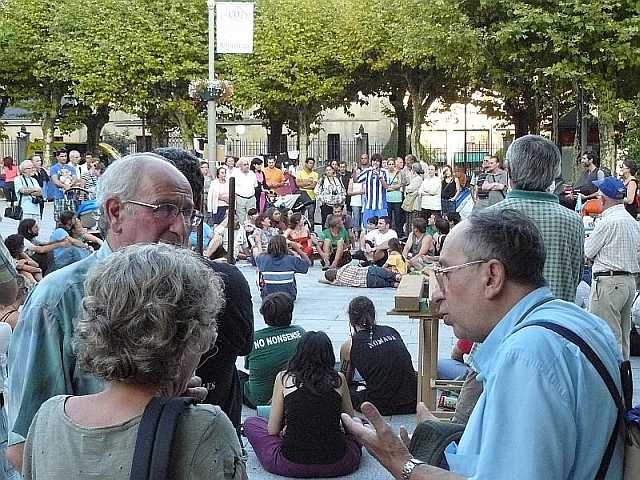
[
  {"x": 614, "y": 243},
  {"x": 373, "y": 195}
]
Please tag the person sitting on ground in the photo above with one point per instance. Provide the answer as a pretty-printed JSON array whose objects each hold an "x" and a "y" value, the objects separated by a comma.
[
  {"x": 298, "y": 232},
  {"x": 395, "y": 263},
  {"x": 372, "y": 224},
  {"x": 262, "y": 234},
  {"x": 41, "y": 252},
  {"x": 381, "y": 358},
  {"x": 78, "y": 232},
  {"x": 455, "y": 367},
  {"x": 351, "y": 275},
  {"x": 333, "y": 246},
  {"x": 218, "y": 246},
  {"x": 275, "y": 215},
  {"x": 418, "y": 245},
  {"x": 273, "y": 346},
  {"x": 377, "y": 242},
  {"x": 137, "y": 290},
  {"x": 303, "y": 437},
  {"x": 26, "y": 266},
  {"x": 207, "y": 235},
  {"x": 278, "y": 267},
  {"x": 443, "y": 227},
  {"x": 74, "y": 250},
  {"x": 340, "y": 211}
]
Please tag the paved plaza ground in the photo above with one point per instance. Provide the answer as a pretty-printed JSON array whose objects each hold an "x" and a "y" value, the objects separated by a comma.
[{"x": 324, "y": 307}]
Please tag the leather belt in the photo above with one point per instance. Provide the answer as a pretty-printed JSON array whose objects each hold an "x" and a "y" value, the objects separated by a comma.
[{"x": 610, "y": 274}]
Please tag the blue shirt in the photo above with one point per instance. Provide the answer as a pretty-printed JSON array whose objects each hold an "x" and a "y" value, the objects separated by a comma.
[
  {"x": 41, "y": 359},
  {"x": 207, "y": 233},
  {"x": 544, "y": 413},
  {"x": 63, "y": 172},
  {"x": 278, "y": 274},
  {"x": 374, "y": 195}
]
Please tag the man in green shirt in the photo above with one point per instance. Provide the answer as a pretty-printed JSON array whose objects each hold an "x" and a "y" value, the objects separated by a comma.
[
  {"x": 333, "y": 246},
  {"x": 534, "y": 163},
  {"x": 273, "y": 346}
]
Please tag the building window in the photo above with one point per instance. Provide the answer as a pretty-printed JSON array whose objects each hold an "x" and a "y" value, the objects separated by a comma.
[{"x": 333, "y": 146}]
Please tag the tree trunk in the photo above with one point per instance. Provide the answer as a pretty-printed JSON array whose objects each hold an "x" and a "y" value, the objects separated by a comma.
[
  {"x": 95, "y": 122},
  {"x": 606, "y": 120},
  {"x": 416, "y": 131},
  {"x": 48, "y": 125},
  {"x": 186, "y": 130},
  {"x": 275, "y": 136},
  {"x": 396, "y": 99},
  {"x": 304, "y": 129}
]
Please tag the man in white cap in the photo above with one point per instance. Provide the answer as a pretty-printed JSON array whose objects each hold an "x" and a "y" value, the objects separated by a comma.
[{"x": 613, "y": 246}]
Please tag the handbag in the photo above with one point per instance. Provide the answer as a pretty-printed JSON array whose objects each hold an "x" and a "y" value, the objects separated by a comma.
[
  {"x": 412, "y": 202},
  {"x": 155, "y": 437},
  {"x": 14, "y": 211}
]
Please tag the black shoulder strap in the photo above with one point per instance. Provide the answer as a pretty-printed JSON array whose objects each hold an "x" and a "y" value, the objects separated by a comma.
[
  {"x": 588, "y": 352},
  {"x": 155, "y": 436}
]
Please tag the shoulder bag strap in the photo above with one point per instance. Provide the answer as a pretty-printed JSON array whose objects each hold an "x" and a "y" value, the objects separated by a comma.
[
  {"x": 145, "y": 439},
  {"x": 155, "y": 437},
  {"x": 588, "y": 352},
  {"x": 172, "y": 410}
]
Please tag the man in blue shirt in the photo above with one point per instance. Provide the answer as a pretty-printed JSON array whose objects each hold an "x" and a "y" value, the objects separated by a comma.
[
  {"x": 375, "y": 181},
  {"x": 545, "y": 412},
  {"x": 63, "y": 176}
]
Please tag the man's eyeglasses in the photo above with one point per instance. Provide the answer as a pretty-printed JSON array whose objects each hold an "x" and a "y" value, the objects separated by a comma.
[
  {"x": 169, "y": 211},
  {"x": 440, "y": 272}
]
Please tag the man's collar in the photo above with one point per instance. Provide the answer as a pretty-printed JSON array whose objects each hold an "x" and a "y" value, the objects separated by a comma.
[
  {"x": 612, "y": 209},
  {"x": 482, "y": 358},
  {"x": 530, "y": 195}
]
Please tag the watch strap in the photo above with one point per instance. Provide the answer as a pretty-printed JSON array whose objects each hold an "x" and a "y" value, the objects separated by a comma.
[{"x": 408, "y": 467}]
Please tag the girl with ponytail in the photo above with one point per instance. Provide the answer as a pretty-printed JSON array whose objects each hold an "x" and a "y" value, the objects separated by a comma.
[{"x": 381, "y": 359}]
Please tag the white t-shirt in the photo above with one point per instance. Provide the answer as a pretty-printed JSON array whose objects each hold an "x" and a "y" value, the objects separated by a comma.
[
  {"x": 379, "y": 238},
  {"x": 246, "y": 183}
]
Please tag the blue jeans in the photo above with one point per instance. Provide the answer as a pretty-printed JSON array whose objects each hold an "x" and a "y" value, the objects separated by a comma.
[
  {"x": 356, "y": 218},
  {"x": 378, "y": 277}
]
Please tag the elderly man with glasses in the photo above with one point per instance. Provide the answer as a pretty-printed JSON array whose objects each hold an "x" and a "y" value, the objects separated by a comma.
[
  {"x": 150, "y": 208},
  {"x": 545, "y": 411}
]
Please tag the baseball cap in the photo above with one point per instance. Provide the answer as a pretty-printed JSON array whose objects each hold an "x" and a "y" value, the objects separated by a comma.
[{"x": 611, "y": 187}]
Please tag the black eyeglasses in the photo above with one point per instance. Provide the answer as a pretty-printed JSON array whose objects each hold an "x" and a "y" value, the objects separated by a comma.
[{"x": 169, "y": 211}]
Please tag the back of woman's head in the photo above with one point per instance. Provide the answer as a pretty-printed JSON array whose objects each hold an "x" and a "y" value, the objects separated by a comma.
[
  {"x": 148, "y": 313},
  {"x": 277, "y": 309},
  {"x": 277, "y": 246},
  {"x": 25, "y": 226},
  {"x": 15, "y": 244},
  {"x": 394, "y": 245},
  {"x": 362, "y": 313},
  {"x": 312, "y": 365}
]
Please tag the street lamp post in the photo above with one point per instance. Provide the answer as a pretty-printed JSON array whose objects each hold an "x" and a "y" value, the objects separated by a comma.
[{"x": 211, "y": 104}]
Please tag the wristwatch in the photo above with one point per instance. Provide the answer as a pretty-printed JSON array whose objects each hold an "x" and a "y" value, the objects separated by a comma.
[{"x": 409, "y": 466}]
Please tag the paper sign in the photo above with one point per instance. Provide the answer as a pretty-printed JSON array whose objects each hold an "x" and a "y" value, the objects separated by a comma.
[{"x": 234, "y": 27}]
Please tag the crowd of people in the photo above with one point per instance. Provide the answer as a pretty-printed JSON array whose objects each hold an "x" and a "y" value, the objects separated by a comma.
[{"x": 122, "y": 315}]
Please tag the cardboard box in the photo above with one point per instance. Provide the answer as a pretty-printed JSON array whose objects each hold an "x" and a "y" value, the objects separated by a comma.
[{"x": 409, "y": 293}]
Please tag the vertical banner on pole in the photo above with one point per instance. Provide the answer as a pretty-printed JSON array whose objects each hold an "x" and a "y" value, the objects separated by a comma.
[{"x": 234, "y": 25}]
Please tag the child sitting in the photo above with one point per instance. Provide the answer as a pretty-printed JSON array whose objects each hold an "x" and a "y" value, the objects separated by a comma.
[{"x": 395, "y": 263}]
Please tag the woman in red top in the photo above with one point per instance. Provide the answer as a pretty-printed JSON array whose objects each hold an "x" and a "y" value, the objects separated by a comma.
[
  {"x": 10, "y": 172},
  {"x": 299, "y": 232}
]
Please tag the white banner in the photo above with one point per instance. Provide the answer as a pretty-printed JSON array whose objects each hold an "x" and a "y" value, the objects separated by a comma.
[{"x": 234, "y": 27}]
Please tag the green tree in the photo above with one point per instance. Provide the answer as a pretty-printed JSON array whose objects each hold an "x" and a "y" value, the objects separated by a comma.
[
  {"x": 430, "y": 44},
  {"x": 293, "y": 73},
  {"x": 32, "y": 67}
]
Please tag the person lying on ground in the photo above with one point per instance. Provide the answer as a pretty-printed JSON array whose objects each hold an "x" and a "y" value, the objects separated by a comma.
[{"x": 372, "y": 276}]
